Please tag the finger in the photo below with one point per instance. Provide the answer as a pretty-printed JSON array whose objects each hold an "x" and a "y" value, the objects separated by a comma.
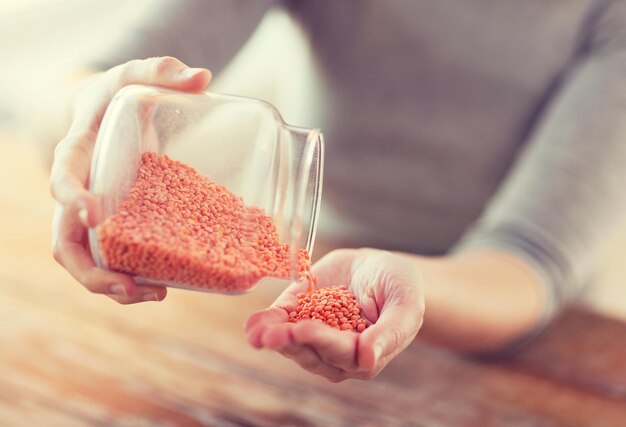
[
  {"x": 73, "y": 154},
  {"x": 309, "y": 360},
  {"x": 254, "y": 336},
  {"x": 159, "y": 71},
  {"x": 144, "y": 294},
  {"x": 70, "y": 251},
  {"x": 280, "y": 337},
  {"x": 72, "y": 159},
  {"x": 394, "y": 330},
  {"x": 337, "y": 348},
  {"x": 277, "y": 336},
  {"x": 163, "y": 71},
  {"x": 77, "y": 261},
  {"x": 257, "y": 324},
  {"x": 269, "y": 315}
]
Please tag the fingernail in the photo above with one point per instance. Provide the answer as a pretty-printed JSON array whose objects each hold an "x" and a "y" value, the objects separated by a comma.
[
  {"x": 119, "y": 290},
  {"x": 189, "y": 73},
  {"x": 152, "y": 296},
  {"x": 84, "y": 217}
]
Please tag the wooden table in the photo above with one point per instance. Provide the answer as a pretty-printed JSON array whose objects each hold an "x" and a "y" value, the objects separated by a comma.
[{"x": 69, "y": 358}]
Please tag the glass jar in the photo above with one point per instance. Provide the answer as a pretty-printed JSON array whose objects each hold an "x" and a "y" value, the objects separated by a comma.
[{"x": 203, "y": 191}]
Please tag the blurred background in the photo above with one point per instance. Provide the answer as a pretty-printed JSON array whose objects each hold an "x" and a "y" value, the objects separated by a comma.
[{"x": 38, "y": 44}]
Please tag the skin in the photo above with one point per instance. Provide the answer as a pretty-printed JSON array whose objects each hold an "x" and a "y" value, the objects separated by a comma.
[
  {"x": 476, "y": 302},
  {"x": 76, "y": 208},
  {"x": 391, "y": 295}
]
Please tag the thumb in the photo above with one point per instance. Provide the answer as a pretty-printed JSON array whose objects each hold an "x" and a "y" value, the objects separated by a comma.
[
  {"x": 168, "y": 72},
  {"x": 394, "y": 330},
  {"x": 163, "y": 71}
]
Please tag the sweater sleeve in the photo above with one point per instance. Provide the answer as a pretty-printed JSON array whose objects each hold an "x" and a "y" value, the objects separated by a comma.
[
  {"x": 566, "y": 193},
  {"x": 201, "y": 33}
]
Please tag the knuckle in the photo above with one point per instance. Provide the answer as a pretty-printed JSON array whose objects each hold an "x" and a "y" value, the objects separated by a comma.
[
  {"x": 78, "y": 150},
  {"x": 310, "y": 364},
  {"x": 57, "y": 182},
  {"x": 82, "y": 144},
  {"x": 369, "y": 375},
  {"x": 60, "y": 148},
  {"x": 117, "y": 299},
  {"x": 164, "y": 65},
  {"x": 87, "y": 284},
  {"x": 336, "y": 378},
  {"x": 57, "y": 252},
  {"x": 75, "y": 143},
  {"x": 54, "y": 185},
  {"x": 123, "y": 74},
  {"x": 91, "y": 282}
]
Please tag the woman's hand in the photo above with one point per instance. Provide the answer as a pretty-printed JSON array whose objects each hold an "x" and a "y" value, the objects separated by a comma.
[
  {"x": 76, "y": 207},
  {"x": 390, "y": 291}
]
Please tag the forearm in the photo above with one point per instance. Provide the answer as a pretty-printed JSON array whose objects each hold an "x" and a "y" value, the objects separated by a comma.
[{"x": 480, "y": 301}]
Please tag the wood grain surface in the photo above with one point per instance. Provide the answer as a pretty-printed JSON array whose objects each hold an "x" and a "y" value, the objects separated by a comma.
[{"x": 70, "y": 358}]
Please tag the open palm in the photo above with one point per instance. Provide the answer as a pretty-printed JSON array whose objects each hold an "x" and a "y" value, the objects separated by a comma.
[{"x": 389, "y": 289}]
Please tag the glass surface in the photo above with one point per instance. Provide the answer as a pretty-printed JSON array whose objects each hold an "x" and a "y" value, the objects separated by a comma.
[{"x": 238, "y": 142}]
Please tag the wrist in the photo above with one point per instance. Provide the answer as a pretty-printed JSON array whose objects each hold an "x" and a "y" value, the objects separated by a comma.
[{"x": 480, "y": 301}]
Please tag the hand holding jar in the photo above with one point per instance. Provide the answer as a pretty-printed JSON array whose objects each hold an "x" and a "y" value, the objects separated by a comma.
[
  {"x": 76, "y": 206},
  {"x": 195, "y": 190}
]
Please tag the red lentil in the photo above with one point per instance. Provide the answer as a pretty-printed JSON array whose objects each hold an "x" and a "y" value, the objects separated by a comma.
[
  {"x": 180, "y": 227},
  {"x": 337, "y": 307}
]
